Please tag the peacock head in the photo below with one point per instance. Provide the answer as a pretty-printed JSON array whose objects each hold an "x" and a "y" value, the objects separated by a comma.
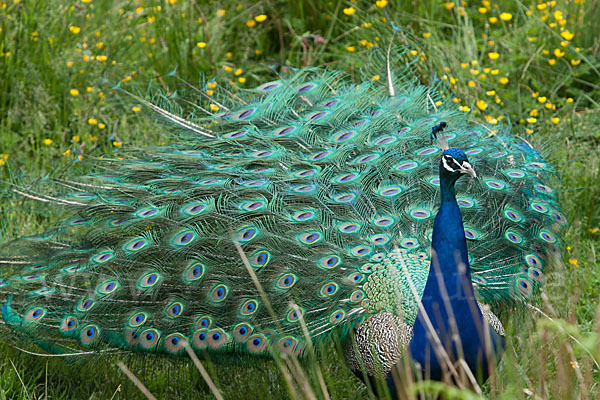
[{"x": 455, "y": 164}]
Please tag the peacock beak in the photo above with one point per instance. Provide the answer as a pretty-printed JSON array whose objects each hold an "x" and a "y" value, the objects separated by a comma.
[{"x": 467, "y": 169}]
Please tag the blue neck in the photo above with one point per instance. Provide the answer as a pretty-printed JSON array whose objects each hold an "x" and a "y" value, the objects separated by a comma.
[{"x": 449, "y": 295}]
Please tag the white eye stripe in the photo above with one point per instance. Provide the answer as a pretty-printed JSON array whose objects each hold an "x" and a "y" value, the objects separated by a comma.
[{"x": 445, "y": 164}]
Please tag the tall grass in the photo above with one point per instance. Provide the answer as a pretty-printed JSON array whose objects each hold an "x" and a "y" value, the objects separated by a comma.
[{"x": 58, "y": 61}]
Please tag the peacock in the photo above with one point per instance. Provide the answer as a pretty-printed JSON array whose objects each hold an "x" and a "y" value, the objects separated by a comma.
[{"x": 284, "y": 217}]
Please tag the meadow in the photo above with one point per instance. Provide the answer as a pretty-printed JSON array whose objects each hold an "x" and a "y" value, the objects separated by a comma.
[{"x": 533, "y": 64}]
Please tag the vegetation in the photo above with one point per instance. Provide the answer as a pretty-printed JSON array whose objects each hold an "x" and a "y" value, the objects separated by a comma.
[{"x": 535, "y": 64}]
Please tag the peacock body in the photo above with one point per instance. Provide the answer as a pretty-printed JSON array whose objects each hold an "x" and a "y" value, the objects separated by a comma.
[{"x": 299, "y": 209}]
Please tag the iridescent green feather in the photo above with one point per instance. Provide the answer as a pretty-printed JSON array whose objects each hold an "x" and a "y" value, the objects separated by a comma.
[{"x": 328, "y": 187}]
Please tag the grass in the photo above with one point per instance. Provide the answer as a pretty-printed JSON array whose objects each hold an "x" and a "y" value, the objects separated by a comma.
[{"x": 533, "y": 63}]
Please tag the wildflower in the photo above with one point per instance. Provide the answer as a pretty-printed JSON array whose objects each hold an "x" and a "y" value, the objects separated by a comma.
[
  {"x": 74, "y": 92},
  {"x": 101, "y": 58},
  {"x": 474, "y": 71},
  {"x": 493, "y": 55},
  {"x": 551, "y": 61},
  {"x": 241, "y": 79},
  {"x": 375, "y": 78},
  {"x": 351, "y": 49},
  {"x": 594, "y": 230},
  {"x": 381, "y": 3},
  {"x": 541, "y": 6},
  {"x": 427, "y": 34},
  {"x": 449, "y": 6},
  {"x": 482, "y": 105},
  {"x": 464, "y": 65},
  {"x": 493, "y": 20},
  {"x": 349, "y": 11},
  {"x": 464, "y": 108},
  {"x": 93, "y": 121},
  {"x": 126, "y": 79},
  {"x": 456, "y": 100},
  {"x": 534, "y": 113},
  {"x": 490, "y": 92},
  {"x": 238, "y": 72},
  {"x": 221, "y": 13},
  {"x": 47, "y": 141},
  {"x": 558, "y": 53},
  {"x": 74, "y": 29},
  {"x": 531, "y": 120},
  {"x": 67, "y": 153},
  {"x": 116, "y": 143},
  {"x": 101, "y": 125},
  {"x": 136, "y": 108},
  {"x": 542, "y": 99},
  {"x": 555, "y": 120},
  {"x": 569, "y": 100},
  {"x": 472, "y": 84},
  {"x": 214, "y": 108},
  {"x": 251, "y": 23},
  {"x": 503, "y": 80},
  {"x": 575, "y": 62},
  {"x": 89, "y": 89},
  {"x": 495, "y": 71},
  {"x": 260, "y": 18},
  {"x": 69, "y": 64},
  {"x": 201, "y": 44},
  {"x": 506, "y": 16},
  {"x": 482, "y": 10},
  {"x": 574, "y": 262}
]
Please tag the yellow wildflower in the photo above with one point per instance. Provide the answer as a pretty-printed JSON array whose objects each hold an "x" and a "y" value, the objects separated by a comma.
[
  {"x": 116, "y": 143},
  {"x": 214, "y": 108},
  {"x": 575, "y": 62},
  {"x": 555, "y": 120},
  {"x": 426, "y": 35},
  {"x": 464, "y": 108},
  {"x": 241, "y": 79},
  {"x": 93, "y": 121},
  {"x": 350, "y": 48},
  {"x": 558, "y": 53},
  {"x": 375, "y": 78},
  {"x": 570, "y": 100},
  {"x": 74, "y": 92},
  {"x": 531, "y": 120},
  {"x": 449, "y": 5},
  {"x": 551, "y": 61},
  {"x": 482, "y": 10},
  {"x": 534, "y": 113},
  {"x": 221, "y": 13},
  {"x": 381, "y": 3},
  {"x": 493, "y": 55},
  {"x": 503, "y": 80},
  {"x": 201, "y": 44},
  {"x": 238, "y": 72},
  {"x": 101, "y": 58},
  {"x": 490, "y": 92},
  {"x": 506, "y": 16},
  {"x": 101, "y": 125},
  {"x": 493, "y": 20},
  {"x": 260, "y": 18},
  {"x": 70, "y": 63},
  {"x": 472, "y": 84},
  {"x": 482, "y": 105},
  {"x": 541, "y": 6},
  {"x": 136, "y": 108},
  {"x": 349, "y": 11},
  {"x": 47, "y": 141},
  {"x": 542, "y": 99},
  {"x": 574, "y": 262},
  {"x": 74, "y": 29},
  {"x": 251, "y": 23}
]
